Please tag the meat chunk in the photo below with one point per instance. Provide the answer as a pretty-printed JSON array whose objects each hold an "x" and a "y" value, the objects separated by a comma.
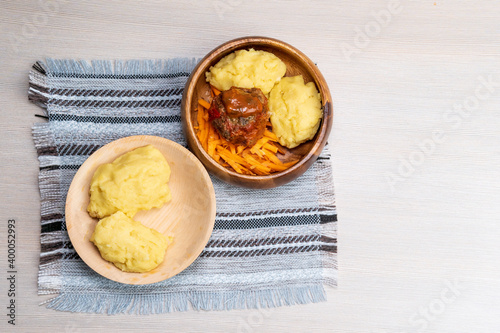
[{"x": 240, "y": 115}]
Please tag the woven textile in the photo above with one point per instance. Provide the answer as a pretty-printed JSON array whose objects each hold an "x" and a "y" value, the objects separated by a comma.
[{"x": 268, "y": 248}]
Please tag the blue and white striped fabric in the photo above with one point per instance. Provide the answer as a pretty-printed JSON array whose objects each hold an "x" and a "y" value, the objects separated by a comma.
[{"x": 269, "y": 247}]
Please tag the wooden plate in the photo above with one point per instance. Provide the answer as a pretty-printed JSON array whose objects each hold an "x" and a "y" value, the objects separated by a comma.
[
  {"x": 189, "y": 217},
  {"x": 297, "y": 63}
]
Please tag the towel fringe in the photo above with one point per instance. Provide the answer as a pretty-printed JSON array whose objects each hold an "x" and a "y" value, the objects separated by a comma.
[
  {"x": 153, "y": 67},
  {"x": 178, "y": 302}
]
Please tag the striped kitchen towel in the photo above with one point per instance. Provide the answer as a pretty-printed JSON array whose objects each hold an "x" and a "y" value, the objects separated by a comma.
[{"x": 268, "y": 248}]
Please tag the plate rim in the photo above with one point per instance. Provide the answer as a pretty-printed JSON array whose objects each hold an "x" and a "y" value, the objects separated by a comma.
[{"x": 132, "y": 139}]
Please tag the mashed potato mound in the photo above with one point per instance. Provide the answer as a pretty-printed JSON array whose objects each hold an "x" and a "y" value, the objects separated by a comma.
[
  {"x": 295, "y": 111},
  {"x": 128, "y": 244},
  {"x": 135, "y": 181},
  {"x": 247, "y": 69}
]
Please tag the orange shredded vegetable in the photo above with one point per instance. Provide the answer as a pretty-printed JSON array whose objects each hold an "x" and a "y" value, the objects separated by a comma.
[
  {"x": 204, "y": 103},
  {"x": 260, "y": 159},
  {"x": 215, "y": 91}
]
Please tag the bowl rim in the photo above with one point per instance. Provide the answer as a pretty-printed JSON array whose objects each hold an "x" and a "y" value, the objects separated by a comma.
[{"x": 224, "y": 49}]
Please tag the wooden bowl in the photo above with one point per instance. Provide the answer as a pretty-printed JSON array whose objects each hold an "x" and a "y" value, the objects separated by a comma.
[
  {"x": 297, "y": 63},
  {"x": 189, "y": 217}
]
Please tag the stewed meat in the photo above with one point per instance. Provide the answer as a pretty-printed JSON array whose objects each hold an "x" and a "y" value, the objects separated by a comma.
[{"x": 240, "y": 115}]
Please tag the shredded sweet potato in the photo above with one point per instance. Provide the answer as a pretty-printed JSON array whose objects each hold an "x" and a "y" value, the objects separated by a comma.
[
  {"x": 215, "y": 91},
  {"x": 204, "y": 103},
  {"x": 260, "y": 159}
]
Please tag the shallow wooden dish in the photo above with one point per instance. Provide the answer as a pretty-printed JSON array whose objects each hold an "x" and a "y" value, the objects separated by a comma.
[
  {"x": 297, "y": 63},
  {"x": 189, "y": 217}
]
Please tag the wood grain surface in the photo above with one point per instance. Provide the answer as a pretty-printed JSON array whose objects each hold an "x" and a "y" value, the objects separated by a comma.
[{"x": 416, "y": 91}]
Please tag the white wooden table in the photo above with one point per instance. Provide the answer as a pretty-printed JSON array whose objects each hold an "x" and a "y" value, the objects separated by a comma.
[{"x": 416, "y": 146}]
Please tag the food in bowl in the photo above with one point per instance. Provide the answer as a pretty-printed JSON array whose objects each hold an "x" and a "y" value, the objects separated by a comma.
[
  {"x": 258, "y": 159},
  {"x": 242, "y": 139},
  {"x": 240, "y": 115},
  {"x": 137, "y": 180},
  {"x": 247, "y": 69},
  {"x": 197, "y": 88},
  {"x": 128, "y": 244},
  {"x": 295, "y": 111}
]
